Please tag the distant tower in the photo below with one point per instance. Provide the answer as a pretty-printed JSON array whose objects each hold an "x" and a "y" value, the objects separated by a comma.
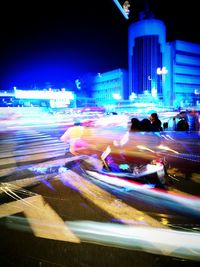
[{"x": 146, "y": 46}]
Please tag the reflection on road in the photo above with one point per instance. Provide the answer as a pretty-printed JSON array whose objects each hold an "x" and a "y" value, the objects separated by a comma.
[{"x": 37, "y": 183}]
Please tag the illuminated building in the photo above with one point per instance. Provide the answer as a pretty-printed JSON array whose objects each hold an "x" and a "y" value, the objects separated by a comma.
[
  {"x": 146, "y": 47},
  {"x": 183, "y": 83},
  {"x": 159, "y": 72},
  {"x": 172, "y": 69},
  {"x": 110, "y": 87}
]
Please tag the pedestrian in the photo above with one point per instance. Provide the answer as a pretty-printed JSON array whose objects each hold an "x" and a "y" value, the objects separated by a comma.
[
  {"x": 145, "y": 125},
  {"x": 73, "y": 137},
  {"x": 135, "y": 125},
  {"x": 156, "y": 124},
  {"x": 182, "y": 125},
  {"x": 192, "y": 118}
]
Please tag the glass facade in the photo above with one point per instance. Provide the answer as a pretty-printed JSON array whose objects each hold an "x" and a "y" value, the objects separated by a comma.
[{"x": 146, "y": 58}]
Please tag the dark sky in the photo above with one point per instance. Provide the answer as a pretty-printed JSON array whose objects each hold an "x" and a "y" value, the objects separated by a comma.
[{"x": 55, "y": 43}]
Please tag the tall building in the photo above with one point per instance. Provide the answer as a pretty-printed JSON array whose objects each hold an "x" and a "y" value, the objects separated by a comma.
[
  {"x": 146, "y": 56},
  {"x": 160, "y": 72},
  {"x": 184, "y": 76},
  {"x": 169, "y": 72}
]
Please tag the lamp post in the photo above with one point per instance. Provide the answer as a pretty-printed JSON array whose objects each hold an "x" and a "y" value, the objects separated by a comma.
[{"x": 162, "y": 71}]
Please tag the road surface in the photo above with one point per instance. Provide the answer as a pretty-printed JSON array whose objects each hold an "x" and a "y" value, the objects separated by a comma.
[{"x": 52, "y": 214}]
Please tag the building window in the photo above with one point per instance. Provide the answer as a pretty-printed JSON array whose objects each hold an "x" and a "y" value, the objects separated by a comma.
[{"x": 147, "y": 57}]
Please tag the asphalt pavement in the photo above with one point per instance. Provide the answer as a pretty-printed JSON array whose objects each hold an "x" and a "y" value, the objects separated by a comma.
[{"x": 53, "y": 215}]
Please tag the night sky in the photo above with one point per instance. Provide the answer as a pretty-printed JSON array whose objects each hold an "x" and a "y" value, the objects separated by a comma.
[{"x": 44, "y": 43}]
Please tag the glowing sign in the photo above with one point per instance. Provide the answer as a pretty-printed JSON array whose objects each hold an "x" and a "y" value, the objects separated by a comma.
[{"x": 36, "y": 94}]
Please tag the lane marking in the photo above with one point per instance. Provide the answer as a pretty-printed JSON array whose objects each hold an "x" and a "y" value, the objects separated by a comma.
[
  {"x": 43, "y": 220},
  {"x": 108, "y": 202}
]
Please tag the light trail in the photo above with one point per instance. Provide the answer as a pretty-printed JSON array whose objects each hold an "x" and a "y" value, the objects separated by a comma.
[
  {"x": 108, "y": 202},
  {"x": 179, "y": 244}
]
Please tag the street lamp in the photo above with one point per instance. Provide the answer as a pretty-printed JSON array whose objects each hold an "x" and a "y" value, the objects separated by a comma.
[{"x": 162, "y": 71}]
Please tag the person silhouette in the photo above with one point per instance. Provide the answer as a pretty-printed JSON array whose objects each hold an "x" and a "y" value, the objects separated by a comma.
[
  {"x": 135, "y": 125},
  {"x": 156, "y": 125},
  {"x": 145, "y": 125}
]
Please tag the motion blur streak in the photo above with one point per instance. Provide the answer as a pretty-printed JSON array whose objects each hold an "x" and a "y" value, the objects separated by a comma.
[
  {"x": 145, "y": 148},
  {"x": 104, "y": 200},
  {"x": 176, "y": 200},
  {"x": 10, "y": 189},
  {"x": 180, "y": 244},
  {"x": 168, "y": 149}
]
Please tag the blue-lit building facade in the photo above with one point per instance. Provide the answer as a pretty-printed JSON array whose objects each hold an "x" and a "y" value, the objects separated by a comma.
[
  {"x": 146, "y": 54},
  {"x": 159, "y": 72},
  {"x": 184, "y": 77},
  {"x": 110, "y": 87}
]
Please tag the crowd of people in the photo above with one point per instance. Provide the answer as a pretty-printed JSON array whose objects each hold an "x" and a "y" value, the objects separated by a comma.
[
  {"x": 151, "y": 124},
  {"x": 187, "y": 121},
  {"x": 184, "y": 121}
]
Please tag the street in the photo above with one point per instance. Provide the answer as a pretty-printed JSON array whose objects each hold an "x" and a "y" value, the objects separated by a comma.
[{"x": 54, "y": 214}]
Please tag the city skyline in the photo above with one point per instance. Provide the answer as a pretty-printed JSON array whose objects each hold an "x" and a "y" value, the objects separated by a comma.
[{"x": 56, "y": 43}]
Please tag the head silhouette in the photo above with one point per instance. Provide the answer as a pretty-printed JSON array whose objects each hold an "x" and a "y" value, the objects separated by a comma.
[
  {"x": 135, "y": 125},
  {"x": 154, "y": 116},
  {"x": 145, "y": 125}
]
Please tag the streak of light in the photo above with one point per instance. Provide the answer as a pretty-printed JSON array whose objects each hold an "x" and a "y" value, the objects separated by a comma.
[
  {"x": 180, "y": 244},
  {"x": 169, "y": 198},
  {"x": 7, "y": 189},
  {"x": 108, "y": 202},
  {"x": 145, "y": 148},
  {"x": 167, "y": 136},
  {"x": 168, "y": 149}
]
